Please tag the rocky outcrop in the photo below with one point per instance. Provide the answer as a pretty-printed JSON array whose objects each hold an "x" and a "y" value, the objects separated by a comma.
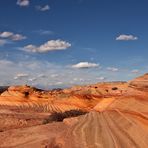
[
  {"x": 58, "y": 100},
  {"x": 21, "y": 91},
  {"x": 140, "y": 83}
]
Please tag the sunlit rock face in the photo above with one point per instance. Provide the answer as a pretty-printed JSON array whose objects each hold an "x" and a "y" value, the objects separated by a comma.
[
  {"x": 140, "y": 83},
  {"x": 102, "y": 115}
]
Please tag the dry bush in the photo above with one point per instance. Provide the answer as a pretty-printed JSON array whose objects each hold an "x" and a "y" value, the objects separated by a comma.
[
  {"x": 59, "y": 117},
  {"x": 115, "y": 88}
]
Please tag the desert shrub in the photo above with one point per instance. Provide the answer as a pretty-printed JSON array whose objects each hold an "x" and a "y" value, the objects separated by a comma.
[
  {"x": 57, "y": 89},
  {"x": 106, "y": 90},
  {"x": 115, "y": 88},
  {"x": 59, "y": 117},
  {"x": 26, "y": 94}
]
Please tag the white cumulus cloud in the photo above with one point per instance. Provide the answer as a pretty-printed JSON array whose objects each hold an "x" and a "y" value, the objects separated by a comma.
[
  {"x": 18, "y": 37},
  {"x": 135, "y": 71},
  {"x": 100, "y": 78},
  {"x": 113, "y": 69},
  {"x": 12, "y": 36},
  {"x": 6, "y": 34},
  {"x": 23, "y": 3},
  {"x": 124, "y": 37},
  {"x": 48, "y": 46},
  {"x": 43, "y": 8},
  {"x": 85, "y": 65},
  {"x": 44, "y": 32},
  {"x": 44, "y": 74},
  {"x": 21, "y": 75}
]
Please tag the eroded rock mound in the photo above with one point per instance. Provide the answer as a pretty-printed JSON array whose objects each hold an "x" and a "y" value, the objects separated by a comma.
[
  {"x": 140, "y": 83},
  {"x": 21, "y": 91}
]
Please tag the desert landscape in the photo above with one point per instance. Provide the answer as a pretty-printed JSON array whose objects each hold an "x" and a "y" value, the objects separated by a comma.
[
  {"x": 73, "y": 74},
  {"x": 101, "y": 115}
]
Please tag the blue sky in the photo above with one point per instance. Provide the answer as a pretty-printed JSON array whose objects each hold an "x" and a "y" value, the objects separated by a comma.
[{"x": 59, "y": 43}]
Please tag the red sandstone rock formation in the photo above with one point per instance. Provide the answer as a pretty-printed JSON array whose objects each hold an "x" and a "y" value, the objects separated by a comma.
[{"x": 117, "y": 116}]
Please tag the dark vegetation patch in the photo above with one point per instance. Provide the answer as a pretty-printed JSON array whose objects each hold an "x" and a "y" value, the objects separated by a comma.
[
  {"x": 26, "y": 94},
  {"x": 3, "y": 88},
  {"x": 37, "y": 89},
  {"x": 115, "y": 88},
  {"x": 57, "y": 89},
  {"x": 59, "y": 117}
]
